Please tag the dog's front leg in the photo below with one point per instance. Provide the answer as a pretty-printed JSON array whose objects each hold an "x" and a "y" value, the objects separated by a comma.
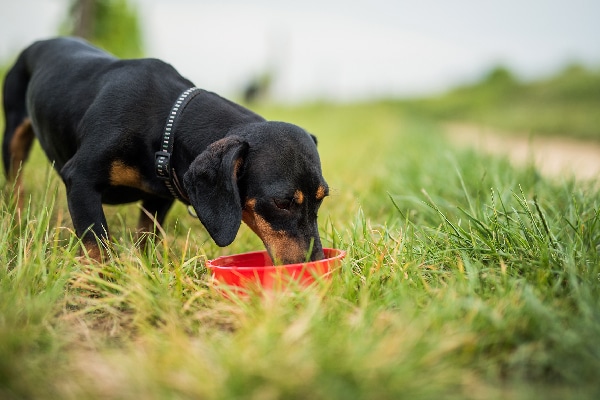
[{"x": 85, "y": 207}]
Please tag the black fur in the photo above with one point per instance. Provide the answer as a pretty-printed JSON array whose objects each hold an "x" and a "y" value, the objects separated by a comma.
[
  {"x": 91, "y": 111},
  {"x": 211, "y": 184}
]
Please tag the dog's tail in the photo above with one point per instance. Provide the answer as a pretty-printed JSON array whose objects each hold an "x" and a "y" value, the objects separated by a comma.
[{"x": 15, "y": 108}]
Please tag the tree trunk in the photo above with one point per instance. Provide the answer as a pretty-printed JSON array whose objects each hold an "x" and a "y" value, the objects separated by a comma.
[{"x": 83, "y": 18}]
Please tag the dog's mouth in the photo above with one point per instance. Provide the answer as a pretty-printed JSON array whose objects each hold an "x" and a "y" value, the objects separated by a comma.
[
  {"x": 283, "y": 247},
  {"x": 290, "y": 252}
]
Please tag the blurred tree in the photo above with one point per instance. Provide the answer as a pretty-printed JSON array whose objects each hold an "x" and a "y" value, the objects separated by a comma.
[
  {"x": 110, "y": 24},
  {"x": 500, "y": 75}
]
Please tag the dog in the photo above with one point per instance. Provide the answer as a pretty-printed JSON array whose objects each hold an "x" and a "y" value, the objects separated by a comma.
[{"x": 120, "y": 131}]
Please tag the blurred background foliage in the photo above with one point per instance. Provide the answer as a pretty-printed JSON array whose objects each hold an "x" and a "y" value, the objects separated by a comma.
[
  {"x": 110, "y": 24},
  {"x": 565, "y": 104}
]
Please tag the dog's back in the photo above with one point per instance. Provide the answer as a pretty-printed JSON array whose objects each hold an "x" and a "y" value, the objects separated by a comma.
[
  {"x": 58, "y": 85},
  {"x": 66, "y": 54}
]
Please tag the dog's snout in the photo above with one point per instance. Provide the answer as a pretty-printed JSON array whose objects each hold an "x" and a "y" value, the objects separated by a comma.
[{"x": 294, "y": 251}]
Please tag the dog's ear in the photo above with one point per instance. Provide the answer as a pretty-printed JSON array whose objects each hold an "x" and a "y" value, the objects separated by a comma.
[
  {"x": 314, "y": 138},
  {"x": 211, "y": 184}
]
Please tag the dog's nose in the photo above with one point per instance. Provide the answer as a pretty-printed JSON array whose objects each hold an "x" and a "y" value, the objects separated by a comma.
[
  {"x": 283, "y": 254},
  {"x": 317, "y": 253}
]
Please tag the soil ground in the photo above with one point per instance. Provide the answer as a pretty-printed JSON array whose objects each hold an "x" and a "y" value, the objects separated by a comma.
[{"x": 552, "y": 156}]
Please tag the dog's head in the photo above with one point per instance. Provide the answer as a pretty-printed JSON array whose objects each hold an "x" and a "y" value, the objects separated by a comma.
[{"x": 267, "y": 174}]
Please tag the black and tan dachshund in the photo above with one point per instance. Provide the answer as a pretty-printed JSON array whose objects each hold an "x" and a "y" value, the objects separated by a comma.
[{"x": 119, "y": 131}]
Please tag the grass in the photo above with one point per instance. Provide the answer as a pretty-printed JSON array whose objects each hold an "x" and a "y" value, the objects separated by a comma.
[
  {"x": 560, "y": 105},
  {"x": 465, "y": 278}
]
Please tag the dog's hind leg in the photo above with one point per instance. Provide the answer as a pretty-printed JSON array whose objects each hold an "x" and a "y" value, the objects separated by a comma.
[
  {"x": 18, "y": 132},
  {"x": 152, "y": 216},
  {"x": 19, "y": 147}
]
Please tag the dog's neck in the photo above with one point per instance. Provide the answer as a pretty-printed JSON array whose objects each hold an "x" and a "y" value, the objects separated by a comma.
[
  {"x": 207, "y": 119},
  {"x": 162, "y": 158}
]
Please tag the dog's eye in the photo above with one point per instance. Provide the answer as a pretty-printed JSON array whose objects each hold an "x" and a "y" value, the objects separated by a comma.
[{"x": 283, "y": 204}]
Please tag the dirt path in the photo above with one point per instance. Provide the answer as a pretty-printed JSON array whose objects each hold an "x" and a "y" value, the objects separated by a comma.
[{"x": 552, "y": 156}]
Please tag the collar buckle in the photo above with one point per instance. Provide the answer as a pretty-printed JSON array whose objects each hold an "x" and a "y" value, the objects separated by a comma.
[{"x": 162, "y": 162}]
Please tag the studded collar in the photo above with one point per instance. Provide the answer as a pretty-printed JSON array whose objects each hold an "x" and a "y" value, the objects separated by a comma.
[{"x": 162, "y": 158}]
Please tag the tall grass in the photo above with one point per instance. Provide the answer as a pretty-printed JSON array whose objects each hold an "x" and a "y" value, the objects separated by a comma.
[{"x": 465, "y": 278}]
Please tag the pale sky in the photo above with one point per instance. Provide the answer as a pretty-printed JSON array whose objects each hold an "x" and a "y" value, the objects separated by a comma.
[{"x": 344, "y": 49}]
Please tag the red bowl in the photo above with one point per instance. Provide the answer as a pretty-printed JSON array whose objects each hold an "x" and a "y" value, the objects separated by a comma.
[{"x": 256, "y": 269}]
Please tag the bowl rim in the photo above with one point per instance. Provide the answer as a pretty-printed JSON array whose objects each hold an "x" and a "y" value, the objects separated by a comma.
[{"x": 340, "y": 254}]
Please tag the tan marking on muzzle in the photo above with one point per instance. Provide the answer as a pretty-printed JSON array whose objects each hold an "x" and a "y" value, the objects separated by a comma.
[
  {"x": 281, "y": 247},
  {"x": 299, "y": 197},
  {"x": 321, "y": 192}
]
